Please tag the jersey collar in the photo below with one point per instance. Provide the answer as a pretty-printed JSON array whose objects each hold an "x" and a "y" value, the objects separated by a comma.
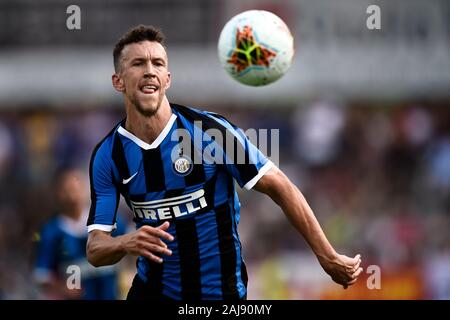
[{"x": 144, "y": 145}]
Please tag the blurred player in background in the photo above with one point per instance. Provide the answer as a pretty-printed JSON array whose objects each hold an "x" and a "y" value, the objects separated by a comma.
[
  {"x": 62, "y": 244},
  {"x": 186, "y": 212}
]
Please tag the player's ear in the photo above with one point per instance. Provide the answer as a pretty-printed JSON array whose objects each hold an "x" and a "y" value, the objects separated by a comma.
[
  {"x": 117, "y": 82},
  {"x": 169, "y": 80}
]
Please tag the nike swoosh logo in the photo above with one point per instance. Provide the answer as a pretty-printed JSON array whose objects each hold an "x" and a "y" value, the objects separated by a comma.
[{"x": 125, "y": 181}]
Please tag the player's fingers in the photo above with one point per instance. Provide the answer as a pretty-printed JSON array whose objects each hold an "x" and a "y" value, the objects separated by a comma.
[
  {"x": 354, "y": 268},
  {"x": 158, "y": 249},
  {"x": 157, "y": 241},
  {"x": 164, "y": 226},
  {"x": 357, "y": 273},
  {"x": 160, "y": 243},
  {"x": 358, "y": 264},
  {"x": 355, "y": 276},
  {"x": 152, "y": 257},
  {"x": 354, "y": 264},
  {"x": 162, "y": 234},
  {"x": 350, "y": 278},
  {"x": 145, "y": 236},
  {"x": 151, "y": 238},
  {"x": 158, "y": 233}
]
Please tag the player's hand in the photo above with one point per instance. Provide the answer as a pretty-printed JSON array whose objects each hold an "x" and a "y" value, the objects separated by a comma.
[
  {"x": 342, "y": 269},
  {"x": 147, "y": 241}
]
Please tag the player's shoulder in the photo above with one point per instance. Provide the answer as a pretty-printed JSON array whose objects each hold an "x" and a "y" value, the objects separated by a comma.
[
  {"x": 104, "y": 147},
  {"x": 196, "y": 114},
  {"x": 188, "y": 112}
]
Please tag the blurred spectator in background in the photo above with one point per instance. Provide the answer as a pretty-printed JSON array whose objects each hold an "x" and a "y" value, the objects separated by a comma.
[{"x": 62, "y": 243}]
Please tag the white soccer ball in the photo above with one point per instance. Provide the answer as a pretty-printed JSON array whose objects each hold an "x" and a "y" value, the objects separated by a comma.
[{"x": 256, "y": 47}]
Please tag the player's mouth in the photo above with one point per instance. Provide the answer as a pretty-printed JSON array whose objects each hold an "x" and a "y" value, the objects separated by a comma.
[{"x": 149, "y": 89}]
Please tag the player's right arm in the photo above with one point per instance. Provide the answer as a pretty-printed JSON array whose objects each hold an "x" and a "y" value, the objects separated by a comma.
[{"x": 103, "y": 249}]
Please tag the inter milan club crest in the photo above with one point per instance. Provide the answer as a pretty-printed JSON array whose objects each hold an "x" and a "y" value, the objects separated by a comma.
[{"x": 182, "y": 165}]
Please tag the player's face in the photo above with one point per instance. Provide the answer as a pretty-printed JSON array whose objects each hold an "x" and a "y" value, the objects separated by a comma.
[
  {"x": 71, "y": 190},
  {"x": 145, "y": 76}
]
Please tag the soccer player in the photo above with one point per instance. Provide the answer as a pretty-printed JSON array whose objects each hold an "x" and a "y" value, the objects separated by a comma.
[
  {"x": 62, "y": 245},
  {"x": 186, "y": 211}
]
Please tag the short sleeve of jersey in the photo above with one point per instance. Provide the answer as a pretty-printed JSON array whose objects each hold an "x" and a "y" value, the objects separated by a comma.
[
  {"x": 104, "y": 194},
  {"x": 243, "y": 160},
  {"x": 121, "y": 225}
]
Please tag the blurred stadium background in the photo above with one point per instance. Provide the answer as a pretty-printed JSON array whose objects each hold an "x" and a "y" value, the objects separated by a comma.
[{"x": 364, "y": 119}]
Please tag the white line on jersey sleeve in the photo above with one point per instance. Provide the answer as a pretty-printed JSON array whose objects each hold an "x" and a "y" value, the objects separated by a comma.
[
  {"x": 269, "y": 164},
  {"x": 102, "y": 227}
]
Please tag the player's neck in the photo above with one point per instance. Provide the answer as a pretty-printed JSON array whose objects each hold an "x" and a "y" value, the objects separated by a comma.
[{"x": 148, "y": 128}]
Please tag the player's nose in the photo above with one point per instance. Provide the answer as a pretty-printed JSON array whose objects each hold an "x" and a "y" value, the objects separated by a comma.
[{"x": 149, "y": 70}]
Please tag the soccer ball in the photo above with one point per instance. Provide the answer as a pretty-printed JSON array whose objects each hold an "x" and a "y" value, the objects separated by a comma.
[{"x": 256, "y": 47}]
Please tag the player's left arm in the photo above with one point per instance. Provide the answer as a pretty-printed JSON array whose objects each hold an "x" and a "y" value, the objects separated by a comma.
[{"x": 342, "y": 269}]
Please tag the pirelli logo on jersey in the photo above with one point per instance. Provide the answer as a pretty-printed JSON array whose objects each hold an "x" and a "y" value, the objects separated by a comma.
[{"x": 170, "y": 208}]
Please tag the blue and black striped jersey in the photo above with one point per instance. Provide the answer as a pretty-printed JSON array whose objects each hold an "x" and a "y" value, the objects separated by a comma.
[{"x": 189, "y": 182}]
